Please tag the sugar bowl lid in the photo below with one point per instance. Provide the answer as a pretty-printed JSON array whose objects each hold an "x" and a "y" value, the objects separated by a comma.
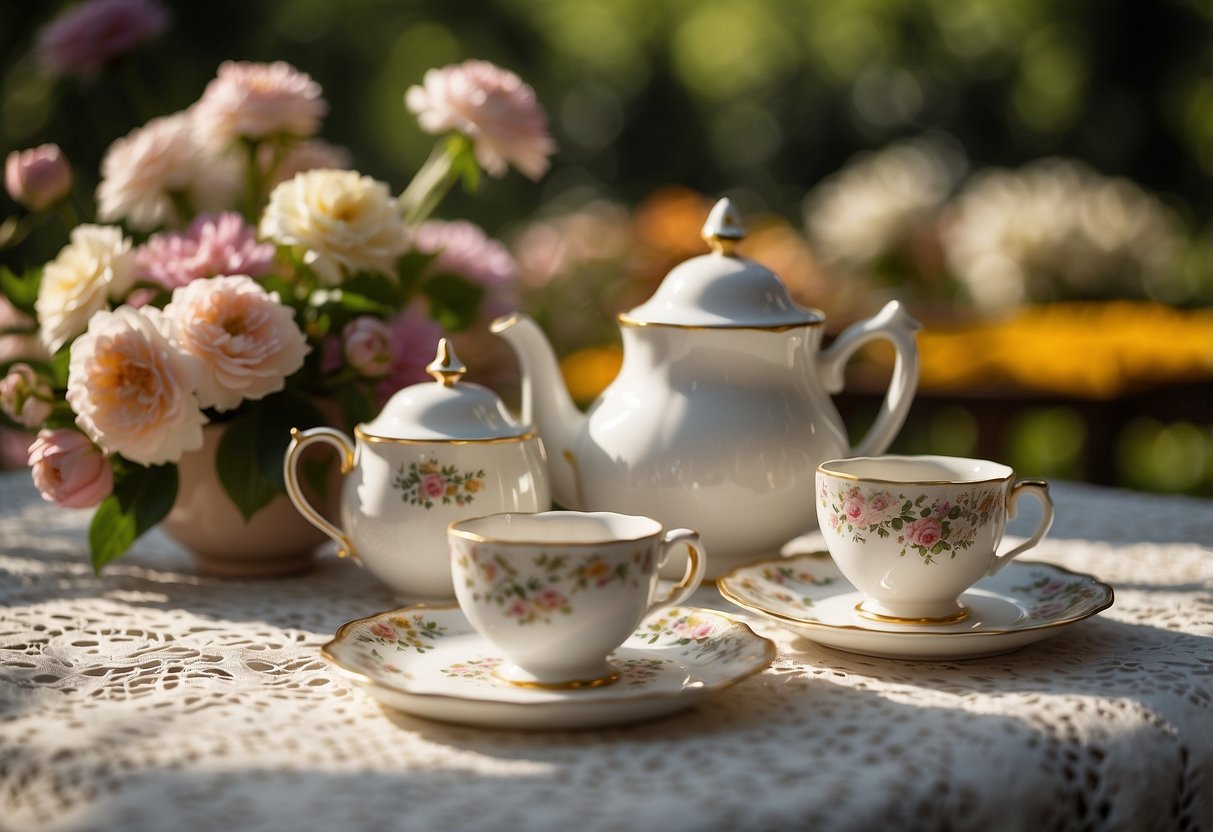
[
  {"x": 444, "y": 410},
  {"x": 722, "y": 289}
]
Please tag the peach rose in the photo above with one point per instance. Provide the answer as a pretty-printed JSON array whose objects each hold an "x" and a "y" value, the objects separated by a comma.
[
  {"x": 69, "y": 470},
  {"x": 133, "y": 390},
  {"x": 95, "y": 266},
  {"x": 246, "y": 340}
]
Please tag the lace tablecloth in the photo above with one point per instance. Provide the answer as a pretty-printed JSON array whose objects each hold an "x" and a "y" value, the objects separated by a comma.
[{"x": 153, "y": 698}]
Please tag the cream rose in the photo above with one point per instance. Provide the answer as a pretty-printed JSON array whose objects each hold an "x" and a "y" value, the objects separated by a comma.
[
  {"x": 95, "y": 266},
  {"x": 247, "y": 341},
  {"x": 346, "y": 221},
  {"x": 133, "y": 390}
]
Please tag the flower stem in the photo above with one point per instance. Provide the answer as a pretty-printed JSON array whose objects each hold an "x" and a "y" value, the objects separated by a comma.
[{"x": 429, "y": 186}]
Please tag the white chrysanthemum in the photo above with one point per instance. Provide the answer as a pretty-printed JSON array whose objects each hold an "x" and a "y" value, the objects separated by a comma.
[
  {"x": 142, "y": 171},
  {"x": 346, "y": 221},
  {"x": 94, "y": 267},
  {"x": 877, "y": 200},
  {"x": 1057, "y": 229},
  {"x": 247, "y": 341},
  {"x": 132, "y": 390}
]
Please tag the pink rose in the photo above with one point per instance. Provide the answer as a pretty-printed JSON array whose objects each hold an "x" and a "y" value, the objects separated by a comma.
[
  {"x": 87, "y": 36},
  {"x": 550, "y": 599},
  {"x": 413, "y": 338},
  {"x": 433, "y": 485},
  {"x": 366, "y": 344},
  {"x": 69, "y": 470},
  {"x": 943, "y": 508},
  {"x": 246, "y": 340},
  {"x": 133, "y": 390},
  {"x": 25, "y": 397},
  {"x": 213, "y": 244},
  {"x": 257, "y": 101},
  {"x": 37, "y": 178},
  {"x": 855, "y": 509},
  {"x": 383, "y": 630},
  {"x": 493, "y": 108},
  {"x": 693, "y": 628},
  {"x": 518, "y": 609},
  {"x": 924, "y": 532}
]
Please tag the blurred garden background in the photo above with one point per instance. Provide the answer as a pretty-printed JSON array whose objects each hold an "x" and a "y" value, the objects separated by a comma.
[{"x": 1034, "y": 178}]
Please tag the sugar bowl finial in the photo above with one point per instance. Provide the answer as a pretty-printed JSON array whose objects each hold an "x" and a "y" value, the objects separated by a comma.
[
  {"x": 723, "y": 229},
  {"x": 446, "y": 366}
]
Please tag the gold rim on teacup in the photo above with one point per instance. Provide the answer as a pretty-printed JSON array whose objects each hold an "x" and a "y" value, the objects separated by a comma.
[
  {"x": 831, "y": 468},
  {"x": 457, "y": 529}
]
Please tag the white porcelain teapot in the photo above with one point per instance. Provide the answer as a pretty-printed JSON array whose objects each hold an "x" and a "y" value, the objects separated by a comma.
[
  {"x": 437, "y": 453},
  {"x": 721, "y": 411}
]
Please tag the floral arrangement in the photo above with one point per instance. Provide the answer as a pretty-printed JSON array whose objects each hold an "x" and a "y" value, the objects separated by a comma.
[{"x": 239, "y": 273}]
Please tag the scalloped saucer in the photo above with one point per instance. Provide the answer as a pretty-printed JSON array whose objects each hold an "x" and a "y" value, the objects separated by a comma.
[
  {"x": 429, "y": 662},
  {"x": 1025, "y": 602}
]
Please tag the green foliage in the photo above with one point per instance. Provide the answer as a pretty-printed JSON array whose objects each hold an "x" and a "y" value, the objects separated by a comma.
[
  {"x": 454, "y": 300},
  {"x": 142, "y": 497},
  {"x": 21, "y": 290}
]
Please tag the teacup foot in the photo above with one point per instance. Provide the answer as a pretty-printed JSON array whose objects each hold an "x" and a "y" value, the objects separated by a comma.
[
  {"x": 960, "y": 614},
  {"x": 515, "y": 675}
]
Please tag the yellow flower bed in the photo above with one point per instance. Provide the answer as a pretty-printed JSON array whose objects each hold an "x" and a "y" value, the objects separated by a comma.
[{"x": 1094, "y": 350}]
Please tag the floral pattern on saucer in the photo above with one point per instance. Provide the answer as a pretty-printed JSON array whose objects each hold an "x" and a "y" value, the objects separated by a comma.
[
  {"x": 1024, "y": 602},
  {"x": 922, "y": 525},
  {"x": 675, "y": 658}
]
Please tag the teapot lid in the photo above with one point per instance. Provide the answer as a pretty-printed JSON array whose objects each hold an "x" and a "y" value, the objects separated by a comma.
[
  {"x": 444, "y": 410},
  {"x": 722, "y": 290}
]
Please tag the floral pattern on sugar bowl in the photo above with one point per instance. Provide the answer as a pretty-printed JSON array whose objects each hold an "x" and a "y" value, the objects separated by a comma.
[
  {"x": 553, "y": 591},
  {"x": 1050, "y": 597},
  {"x": 426, "y": 482},
  {"x": 922, "y": 525}
]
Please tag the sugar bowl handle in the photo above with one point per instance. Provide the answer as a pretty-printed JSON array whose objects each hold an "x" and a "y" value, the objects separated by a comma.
[
  {"x": 300, "y": 439},
  {"x": 894, "y": 324}
]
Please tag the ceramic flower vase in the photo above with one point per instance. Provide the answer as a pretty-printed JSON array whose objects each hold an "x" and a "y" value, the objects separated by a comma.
[{"x": 277, "y": 540}]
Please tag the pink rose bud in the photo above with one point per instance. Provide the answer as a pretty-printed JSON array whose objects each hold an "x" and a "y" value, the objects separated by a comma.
[
  {"x": 24, "y": 397},
  {"x": 69, "y": 470},
  {"x": 367, "y": 344},
  {"x": 37, "y": 178}
]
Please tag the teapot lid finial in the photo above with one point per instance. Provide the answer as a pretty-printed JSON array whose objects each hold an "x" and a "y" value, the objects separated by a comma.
[
  {"x": 723, "y": 229},
  {"x": 446, "y": 367}
]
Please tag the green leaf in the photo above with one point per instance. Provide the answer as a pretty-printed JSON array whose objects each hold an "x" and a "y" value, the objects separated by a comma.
[
  {"x": 454, "y": 300},
  {"x": 239, "y": 471},
  {"x": 273, "y": 419},
  {"x": 926, "y": 512},
  {"x": 356, "y": 304},
  {"x": 410, "y": 267},
  {"x": 60, "y": 363},
  {"x": 896, "y": 524},
  {"x": 376, "y": 287},
  {"x": 142, "y": 498},
  {"x": 356, "y": 404},
  {"x": 21, "y": 290}
]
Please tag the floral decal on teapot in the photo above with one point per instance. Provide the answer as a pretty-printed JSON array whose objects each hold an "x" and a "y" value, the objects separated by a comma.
[
  {"x": 550, "y": 591},
  {"x": 928, "y": 528},
  {"x": 428, "y": 482}
]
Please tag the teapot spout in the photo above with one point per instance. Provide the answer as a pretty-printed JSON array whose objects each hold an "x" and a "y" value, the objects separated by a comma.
[{"x": 546, "y": 403}]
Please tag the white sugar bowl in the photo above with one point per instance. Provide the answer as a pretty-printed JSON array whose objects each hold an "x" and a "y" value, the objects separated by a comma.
[{"x": 438, "y": 452}]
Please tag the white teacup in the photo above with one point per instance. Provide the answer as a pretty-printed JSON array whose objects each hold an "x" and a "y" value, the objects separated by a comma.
[
  {"x": 557, "y": 591},
  {"x": 912, "y": 533}
]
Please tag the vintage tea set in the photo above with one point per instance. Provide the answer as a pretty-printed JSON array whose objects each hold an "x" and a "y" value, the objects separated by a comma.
[{"x": 720, "y": 421}]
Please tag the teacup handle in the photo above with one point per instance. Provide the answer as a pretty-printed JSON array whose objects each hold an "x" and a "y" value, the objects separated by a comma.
[
  {"x": 300, "y": 439},
  {"x": 1040, "y": 490},
  {"x": 697, "y": 564}
]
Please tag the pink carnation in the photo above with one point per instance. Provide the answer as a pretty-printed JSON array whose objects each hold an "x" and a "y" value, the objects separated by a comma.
[
  {"x": 220, "y": 244},
  {"x": 493, "y": 108},
  {"x": 247, "y": 341},
  {"x": 86, "y": 37},
  {"x": 464, "y": 249},
  {"x": 257, "y": 101},
  {"x": 39, "y": 177},
  {"x": 69, "y": 470},
  {"x": 413, "y": 338},
  {"x": 925, "y": 532},
  {"x": 133, "y": 390}
]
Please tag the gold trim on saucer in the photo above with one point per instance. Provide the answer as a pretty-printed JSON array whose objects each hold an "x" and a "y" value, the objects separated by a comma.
[
  {"x": 571, "y": 684},
  {"x": 956, "y": 617}
]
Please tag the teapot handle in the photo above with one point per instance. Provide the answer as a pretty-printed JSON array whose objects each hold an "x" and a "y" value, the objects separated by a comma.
[
  {"x": 300, "y": 439},
  {"x": 894, "y": 324}
]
